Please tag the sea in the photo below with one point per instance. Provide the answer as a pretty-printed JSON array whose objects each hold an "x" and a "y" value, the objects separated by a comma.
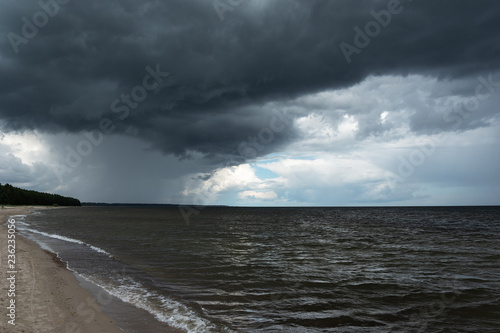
[{"x": 238, "y": 269}]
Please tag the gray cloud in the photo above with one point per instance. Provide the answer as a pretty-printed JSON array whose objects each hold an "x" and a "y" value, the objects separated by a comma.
[{"x": 65, "y": 78}]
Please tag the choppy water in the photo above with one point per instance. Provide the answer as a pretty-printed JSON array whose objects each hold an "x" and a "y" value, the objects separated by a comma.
[{"x": 289, "y": 269}]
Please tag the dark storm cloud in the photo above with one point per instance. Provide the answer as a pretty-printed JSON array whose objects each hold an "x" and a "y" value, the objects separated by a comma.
[{"x": 66, "y": 77}]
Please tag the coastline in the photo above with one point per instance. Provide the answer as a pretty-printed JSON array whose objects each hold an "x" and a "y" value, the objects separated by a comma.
[{"x": 48, "y": 297}]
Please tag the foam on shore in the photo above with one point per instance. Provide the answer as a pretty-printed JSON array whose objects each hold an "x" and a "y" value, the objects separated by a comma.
[
  {"x": 129, "y": 290},
  {"x": 66, "y": 239}
]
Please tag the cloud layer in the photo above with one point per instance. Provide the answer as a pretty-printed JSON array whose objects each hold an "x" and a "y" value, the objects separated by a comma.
[{"x": 206, "y": 90}]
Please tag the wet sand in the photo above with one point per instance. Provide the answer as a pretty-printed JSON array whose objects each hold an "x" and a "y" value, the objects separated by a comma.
[{"x": 48, "y": 297}]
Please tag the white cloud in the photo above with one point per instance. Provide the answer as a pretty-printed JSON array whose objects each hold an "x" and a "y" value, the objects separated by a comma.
[
  {"x": 326, "y": 171},
  {"x": 207, "y": 187},
  {"x": 29, "y": 147},
  {"x": 267, "y": 195},
  {"x": 351, "y": 146},
  {"x": 383, "y": 116},
  {"x": 319, "y": 132},
  {"x": 23, "y": 161},
  {"x": 306, "y": 179},
  {"x": 348, "y": 151}
]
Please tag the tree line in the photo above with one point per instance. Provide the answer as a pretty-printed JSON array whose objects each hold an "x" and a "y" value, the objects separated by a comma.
[{"x": 10, "y": 195}]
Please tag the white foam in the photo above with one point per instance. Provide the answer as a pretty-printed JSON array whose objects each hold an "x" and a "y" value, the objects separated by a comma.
[
  {"x": 67, "y": 239},
  {"x": 98, "y": 249},
  {"x": 17, "y": 217},
  {"x": 21, "y": 223},
  {"x": 64, "y": 238},
  {"x": 171, "y": 312},
  {"x": 42, "y": 244},
  {"x": 165, "y": 310}
]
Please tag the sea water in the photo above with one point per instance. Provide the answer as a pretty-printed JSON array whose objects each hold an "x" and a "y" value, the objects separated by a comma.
[{"x": 426, "y": 269}]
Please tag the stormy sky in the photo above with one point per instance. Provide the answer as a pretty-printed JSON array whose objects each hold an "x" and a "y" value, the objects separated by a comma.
[{"x": 252, "y": 102}]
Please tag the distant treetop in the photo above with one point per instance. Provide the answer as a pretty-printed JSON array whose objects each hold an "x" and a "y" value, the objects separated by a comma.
[{"x": 10, "y": 195}]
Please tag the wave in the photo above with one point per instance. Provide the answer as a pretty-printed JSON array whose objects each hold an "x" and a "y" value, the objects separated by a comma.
[
  {"x": 166, "y": 310},
  {"x": 128, "y": 290},
  {"x": 67, "y": 239},
  {"x": 18, "y": 218}
]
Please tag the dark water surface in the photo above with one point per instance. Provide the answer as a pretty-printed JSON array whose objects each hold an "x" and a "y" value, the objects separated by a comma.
[{"x": 289, "y": 269}]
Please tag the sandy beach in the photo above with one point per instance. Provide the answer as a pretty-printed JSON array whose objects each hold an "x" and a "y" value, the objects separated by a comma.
[{"x": 39, "y": 294}]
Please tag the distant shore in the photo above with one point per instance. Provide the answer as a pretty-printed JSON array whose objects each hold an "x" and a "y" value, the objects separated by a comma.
[{"x": 38, "y": 293}]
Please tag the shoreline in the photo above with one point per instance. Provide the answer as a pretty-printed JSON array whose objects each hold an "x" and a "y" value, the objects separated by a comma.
[{"x": 43, "y": 295}]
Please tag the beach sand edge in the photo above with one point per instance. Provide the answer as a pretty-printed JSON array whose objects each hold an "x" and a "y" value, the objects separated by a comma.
[{"x": 48, "y": 297}]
